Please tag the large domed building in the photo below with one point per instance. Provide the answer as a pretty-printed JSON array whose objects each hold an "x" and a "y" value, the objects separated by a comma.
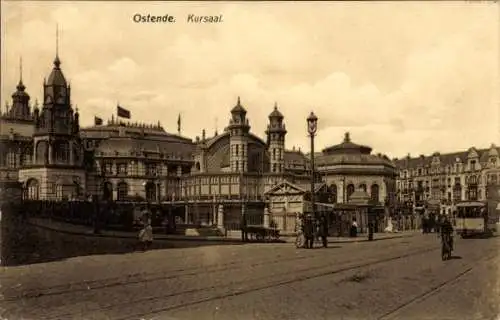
[{"x": 348, "y": 167}]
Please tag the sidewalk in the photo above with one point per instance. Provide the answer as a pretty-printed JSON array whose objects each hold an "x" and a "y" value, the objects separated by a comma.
[
  {"x": 69, "y": 228},
  {"x": 232, "y": 237},
  {"x": 364, "y": 237}
]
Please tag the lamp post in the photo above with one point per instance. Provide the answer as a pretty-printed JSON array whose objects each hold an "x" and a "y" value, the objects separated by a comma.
[{"x": 312, "y": 126}]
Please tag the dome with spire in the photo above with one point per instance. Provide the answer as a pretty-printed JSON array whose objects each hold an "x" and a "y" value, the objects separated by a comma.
[
  {"x": 238, "y": 108},
  {"x": 276, "y": 114},
  {"x": 347, "y": 147},
  {"x": 20, "y": 92}
]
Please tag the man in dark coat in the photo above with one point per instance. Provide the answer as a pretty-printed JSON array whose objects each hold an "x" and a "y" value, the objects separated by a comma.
[
  {"x": 243, "y": 227},
  {"x": 309, "y": 232},
  {"x": 323, "y": 230}
]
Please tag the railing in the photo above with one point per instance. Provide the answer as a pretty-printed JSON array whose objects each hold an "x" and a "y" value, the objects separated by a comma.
[{"x": 104, "y": 215}]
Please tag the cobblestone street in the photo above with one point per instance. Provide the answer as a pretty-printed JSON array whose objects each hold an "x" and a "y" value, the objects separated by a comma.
[{"x": 397, "y": 278}]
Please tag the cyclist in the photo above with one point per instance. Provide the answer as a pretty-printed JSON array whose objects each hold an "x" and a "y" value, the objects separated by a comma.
[{"x": 447, "y": 230}]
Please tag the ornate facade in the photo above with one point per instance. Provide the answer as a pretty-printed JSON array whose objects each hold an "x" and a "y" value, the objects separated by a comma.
[
  {"x": 214, "y": 180},
  {"x": 16, "y": 140},
  {"x": 55, "y": 169},
  {"x": 442, "y": 180}
]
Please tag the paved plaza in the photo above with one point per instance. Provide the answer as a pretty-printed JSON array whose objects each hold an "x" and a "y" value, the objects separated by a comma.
[{"x": 401, "y": 278}]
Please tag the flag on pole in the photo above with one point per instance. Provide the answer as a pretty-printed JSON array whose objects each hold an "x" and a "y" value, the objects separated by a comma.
[
  {"x": 179, "y": 124},
  {"x": 97, "y": 121},
  {"x": 122, "y": 113}
]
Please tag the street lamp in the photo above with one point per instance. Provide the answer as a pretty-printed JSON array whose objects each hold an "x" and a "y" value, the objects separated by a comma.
[{"x": 312, "y": 126}]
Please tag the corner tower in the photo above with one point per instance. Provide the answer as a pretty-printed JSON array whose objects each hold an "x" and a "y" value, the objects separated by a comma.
[
  {"x": 57, "y": 170},
  {"x": 276, "y": 132},
  {"x": 20, "y": 109},
  {"x": 238, "y": 130}
]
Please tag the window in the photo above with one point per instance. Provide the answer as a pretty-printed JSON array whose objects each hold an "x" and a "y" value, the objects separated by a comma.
[
  {"x": 236, "y": 149},
  {"x": 122, "y": 168},
  {"x": 473, "y": 165},
  {"x": 122, "y": 191},
  {"x": 333, "y": 193},
  {"x": 350, "y": 191},
  {"x": 62, "y": 152},
  {"x": 151, "y": 169},
  {"x": 108, "y": 168},
  {"x": 107, "y": 191},
  {"x": 11, "y": 159},
  {"x": 473, "y": 193},
  {"x": 150, "y": 191},
  {"x": 374, "y": 193},
  {"x": 33, "y": 190},
  {"x": 274, "y": 154},
  {"x": 59, "y": 192}
]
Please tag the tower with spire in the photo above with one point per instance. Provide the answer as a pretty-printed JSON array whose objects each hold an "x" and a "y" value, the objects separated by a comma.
[
  {"x": 57, "y": 149},
  {"x": 20, "y": 109},
  {"x": 238, "y": 142},
  {"x": 16, "y": 130},
  {"x": 276, "y": 132}
]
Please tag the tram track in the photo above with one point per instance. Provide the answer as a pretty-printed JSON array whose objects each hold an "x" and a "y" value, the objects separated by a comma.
[
  {"x": 210, "y": 293},
  {"x": 393, "y": 313},
  {"x": 148, "y": 276},
  {"x": 110, "y": 282}
]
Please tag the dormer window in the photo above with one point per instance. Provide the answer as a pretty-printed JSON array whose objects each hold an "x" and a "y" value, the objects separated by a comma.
[{"x": 473, "y": 164}]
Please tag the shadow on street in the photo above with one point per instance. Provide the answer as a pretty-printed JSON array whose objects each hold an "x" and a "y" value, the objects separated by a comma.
[{"x": 22, "y": 244}]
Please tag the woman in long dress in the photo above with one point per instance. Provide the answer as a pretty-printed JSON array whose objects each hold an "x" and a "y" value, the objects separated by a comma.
[{"x": 146, "y": 235}]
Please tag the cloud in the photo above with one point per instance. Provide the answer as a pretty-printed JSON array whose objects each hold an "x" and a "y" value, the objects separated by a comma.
[{"x": 396, "y": 76}]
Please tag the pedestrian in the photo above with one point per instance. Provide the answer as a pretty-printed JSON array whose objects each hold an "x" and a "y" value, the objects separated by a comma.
[
  {"x": 165, "y": 224},
  {"x": 323, "y": 230},
  {"x": 354, "y": 228},
  {"x": 146, "y": 235},
  {"x": 243, "y": 227},
  {"x": 309, "y": 232}
]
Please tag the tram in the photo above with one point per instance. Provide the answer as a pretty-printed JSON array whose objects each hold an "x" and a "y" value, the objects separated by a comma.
[{"x": 472, "y": 219}]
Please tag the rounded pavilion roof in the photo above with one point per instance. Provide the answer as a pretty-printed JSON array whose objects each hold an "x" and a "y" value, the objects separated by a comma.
[
  {"x": 347, "y": 147},
  {"x": 349, "y": 153}
]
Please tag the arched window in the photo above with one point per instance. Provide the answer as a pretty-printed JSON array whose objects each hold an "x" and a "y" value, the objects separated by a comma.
[
  {"x": 122, "y": 191},
  {"x": 349, "y": 191},
  {"x": 374, "y": 193},
  {"x": 150, "y": 191},
  {"x": 362, "y": 187},
  {"x": 61, "y": 152},
  {"x": 107, "y": 191},
  {"x": 77, "y": 190},
  {"x": 59, "y": 191},
  {"x": 333, "y": 193},
  {"x": 197, "y": 166},
  {"x": 33, "y": 189}
]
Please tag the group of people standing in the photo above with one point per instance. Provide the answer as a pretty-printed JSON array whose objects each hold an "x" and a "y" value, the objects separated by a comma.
[{"x": 312, "y": 229}]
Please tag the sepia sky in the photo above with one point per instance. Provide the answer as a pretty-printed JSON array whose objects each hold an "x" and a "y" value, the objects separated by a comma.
[{"x": 402, "y": 77}]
